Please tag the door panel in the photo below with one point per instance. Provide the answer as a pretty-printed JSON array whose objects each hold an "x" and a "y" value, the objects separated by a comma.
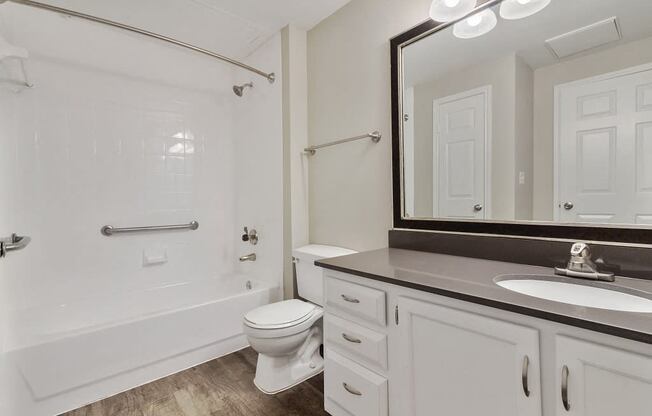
[
  {"x": 644, "y": 97},
  {"x": 604, "y": 150},
  {"x": 460, "y": 135}
]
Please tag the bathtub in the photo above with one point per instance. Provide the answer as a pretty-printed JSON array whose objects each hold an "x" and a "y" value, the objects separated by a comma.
[{"x": 64, "y": 356}]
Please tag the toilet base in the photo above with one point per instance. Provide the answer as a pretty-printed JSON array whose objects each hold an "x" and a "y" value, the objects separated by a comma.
[
  {"x": 308, "y": 375},
  {"x": 276, "y": 374}
]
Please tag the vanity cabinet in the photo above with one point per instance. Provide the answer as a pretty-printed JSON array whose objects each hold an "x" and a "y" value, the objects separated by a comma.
[
  {"x": 465, "y": 364},
  {"x": 396, "y": 351},
  {"x": 597, "y": 380}
]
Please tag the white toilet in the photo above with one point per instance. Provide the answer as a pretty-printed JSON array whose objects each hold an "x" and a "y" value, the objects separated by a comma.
[{"x": 288, "y": 335}]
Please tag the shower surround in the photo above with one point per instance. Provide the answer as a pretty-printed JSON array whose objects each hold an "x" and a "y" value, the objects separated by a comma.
[{"x": 124, "y": 131}]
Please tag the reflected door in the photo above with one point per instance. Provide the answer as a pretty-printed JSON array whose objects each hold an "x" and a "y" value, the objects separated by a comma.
[
  {"x": 460, "y": 130},
  {"x": 604, "y": 149}
]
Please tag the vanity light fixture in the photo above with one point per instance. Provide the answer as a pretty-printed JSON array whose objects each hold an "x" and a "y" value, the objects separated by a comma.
[
  {"x": 476, "y": 25},
  {"x": 519, "y": 9},
  {"x": 448, "y": 10}
]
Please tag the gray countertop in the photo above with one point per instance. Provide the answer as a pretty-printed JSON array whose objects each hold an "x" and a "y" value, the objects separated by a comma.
[{"x": 472, "y": 280}]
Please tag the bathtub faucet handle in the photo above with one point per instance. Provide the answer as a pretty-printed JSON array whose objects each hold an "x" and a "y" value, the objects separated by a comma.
[{"x": 250, "y": 235}]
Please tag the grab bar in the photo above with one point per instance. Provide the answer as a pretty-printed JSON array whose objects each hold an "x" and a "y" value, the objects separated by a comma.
[
  {"x": 109, "y": 230},
  {"x": 375, "y": 137},
  {"x": 15, "y": 242}
]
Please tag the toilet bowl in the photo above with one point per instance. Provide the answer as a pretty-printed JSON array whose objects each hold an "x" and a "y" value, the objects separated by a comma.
[
  {"x": 288, "y": 335},
  {"x": 288, "y": 352}
]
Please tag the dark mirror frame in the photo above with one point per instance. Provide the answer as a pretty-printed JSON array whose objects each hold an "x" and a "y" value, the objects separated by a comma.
[{"x": 520, "y": 229}]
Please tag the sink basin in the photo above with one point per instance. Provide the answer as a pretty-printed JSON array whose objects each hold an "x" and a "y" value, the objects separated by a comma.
[{"x": 590, "y": 294}]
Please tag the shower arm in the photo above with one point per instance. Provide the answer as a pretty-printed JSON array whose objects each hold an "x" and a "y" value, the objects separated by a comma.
[{"x": 271, "y": 77}]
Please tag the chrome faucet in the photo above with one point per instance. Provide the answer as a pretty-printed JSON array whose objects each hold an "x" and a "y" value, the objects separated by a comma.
[
  {"x": 581, "y": 265},
  {"x": 248, "y": 257}
]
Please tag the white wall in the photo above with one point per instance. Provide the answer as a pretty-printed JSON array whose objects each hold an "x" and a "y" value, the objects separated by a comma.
[
  {"x": 523, "y": 140},
  {"x": 258, "y": 169},
  {"x": 295, "y": 140},
  {"x": 137, "y": 134},
  {"x": 349, "y": 94},
  {"x": 500, "y": 74}
]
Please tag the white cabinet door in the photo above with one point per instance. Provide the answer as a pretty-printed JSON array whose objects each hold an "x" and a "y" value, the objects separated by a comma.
[
  {"x": 455, "y": 363},
  {"x": 461, "y": 130},
  {"x": 601, "y": 380}
]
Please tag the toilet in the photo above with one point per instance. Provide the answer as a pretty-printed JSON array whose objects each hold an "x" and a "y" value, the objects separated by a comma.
[{"x": 288, "y": 335}]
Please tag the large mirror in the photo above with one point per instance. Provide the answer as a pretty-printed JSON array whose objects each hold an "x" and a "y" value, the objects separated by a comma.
[{"x": 529, "y": 111}]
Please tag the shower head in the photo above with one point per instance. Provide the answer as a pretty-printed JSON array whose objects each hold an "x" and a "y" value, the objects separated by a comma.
[{"x": 239, "y": 89}]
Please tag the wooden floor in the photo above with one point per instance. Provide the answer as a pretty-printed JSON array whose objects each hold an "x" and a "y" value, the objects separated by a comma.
[{"x": 220, "y": 387}]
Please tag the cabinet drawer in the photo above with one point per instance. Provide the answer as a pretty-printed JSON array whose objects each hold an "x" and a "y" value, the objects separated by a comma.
[
  {"x": 350, "y": 389},
  {"x": 355, "y": 341},
  {"x": 359, "y": 301}
]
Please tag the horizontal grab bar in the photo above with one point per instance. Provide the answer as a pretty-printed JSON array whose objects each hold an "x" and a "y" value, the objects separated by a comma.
[
  {"x": 15, "y": 242},
  {"x": 109, "y": 230},
  {"x": 374, "y": 136}
]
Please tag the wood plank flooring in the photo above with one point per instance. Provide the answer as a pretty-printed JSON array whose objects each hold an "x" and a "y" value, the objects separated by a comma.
[{"x": 220, "y": 387}]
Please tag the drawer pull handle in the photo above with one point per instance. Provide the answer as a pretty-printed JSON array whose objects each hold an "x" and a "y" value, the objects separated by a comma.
[
  {"x": 350, "y": 299},
  {"x": 526, "y": 367},
  {"x": 564, "y": 388},
  {"x": 351, "y": 339},
  {"x": 351, "y": 390}
]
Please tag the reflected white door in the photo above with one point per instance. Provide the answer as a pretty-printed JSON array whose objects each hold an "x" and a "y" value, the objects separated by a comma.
[
  {"x": 604, "y": 149},
  {"x": 460, "y": 138}
]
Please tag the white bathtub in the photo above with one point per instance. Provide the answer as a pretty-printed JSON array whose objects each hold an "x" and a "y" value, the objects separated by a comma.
[{"x": 64, "y": 356}]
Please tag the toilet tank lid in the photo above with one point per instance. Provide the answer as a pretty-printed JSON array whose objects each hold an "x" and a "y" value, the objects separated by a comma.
[{"x": 321, "y": 251}]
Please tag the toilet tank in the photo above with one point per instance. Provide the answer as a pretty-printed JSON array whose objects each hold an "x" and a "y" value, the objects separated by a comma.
[{"x": 310, "y": 280}]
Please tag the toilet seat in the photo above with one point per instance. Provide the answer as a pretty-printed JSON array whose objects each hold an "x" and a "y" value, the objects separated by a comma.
[
  {"x": 279, "y": 314},
  {"x": 281, "y": 319}
]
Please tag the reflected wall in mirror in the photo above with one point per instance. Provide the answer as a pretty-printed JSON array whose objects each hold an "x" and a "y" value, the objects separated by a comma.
[{"x": 541, "y": 114}]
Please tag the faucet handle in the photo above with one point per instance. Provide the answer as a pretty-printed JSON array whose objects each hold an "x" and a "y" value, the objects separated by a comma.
[
  {"x": 250, "y": 235},
  {"x": 580, "y": 250}
]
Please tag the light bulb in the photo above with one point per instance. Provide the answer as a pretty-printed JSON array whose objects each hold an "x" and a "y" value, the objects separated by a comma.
[
  {"x": 476, "y": 25},
  {"x": 448, "y": 10},
  {"x": 474, "y": 20},
  {"x": 519, "y": 9}
]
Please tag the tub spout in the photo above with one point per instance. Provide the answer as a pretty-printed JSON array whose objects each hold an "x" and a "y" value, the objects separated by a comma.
[{"x": 248, "y": 257}]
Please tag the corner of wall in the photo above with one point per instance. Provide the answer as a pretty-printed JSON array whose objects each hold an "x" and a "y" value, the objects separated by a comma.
[{"x": 295, "y": 139}]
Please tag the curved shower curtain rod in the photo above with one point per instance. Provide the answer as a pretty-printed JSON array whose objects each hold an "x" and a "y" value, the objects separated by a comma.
[{"x": 270, "y": 76}]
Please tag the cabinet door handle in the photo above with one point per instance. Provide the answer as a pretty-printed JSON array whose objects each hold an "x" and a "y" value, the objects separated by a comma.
[
  {"x": 351, "y": 339},
  {"x": 350, "y": 299},
  {"x": 564, "y": 388},
  {"x": 351, "y": 390},
  {"x": 524, "y": 373}
]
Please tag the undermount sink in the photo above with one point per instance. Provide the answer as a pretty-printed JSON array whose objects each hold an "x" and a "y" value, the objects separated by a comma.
[{"x": 593, "y": 295}]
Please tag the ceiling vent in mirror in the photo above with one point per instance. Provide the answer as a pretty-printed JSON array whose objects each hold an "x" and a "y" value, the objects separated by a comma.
[
  {"x": 449, "y": 10},
  {"x": 585, "y": 38},
  {"x": 476, "y": 25},
  {"x": 519, "y": 9}
]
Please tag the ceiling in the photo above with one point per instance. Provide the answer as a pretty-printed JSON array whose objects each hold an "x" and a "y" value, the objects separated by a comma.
[
  {"x": 442, "y": 53},
  {"x": 230, "y": 27},
  {"x": 234, "y": 28}
]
